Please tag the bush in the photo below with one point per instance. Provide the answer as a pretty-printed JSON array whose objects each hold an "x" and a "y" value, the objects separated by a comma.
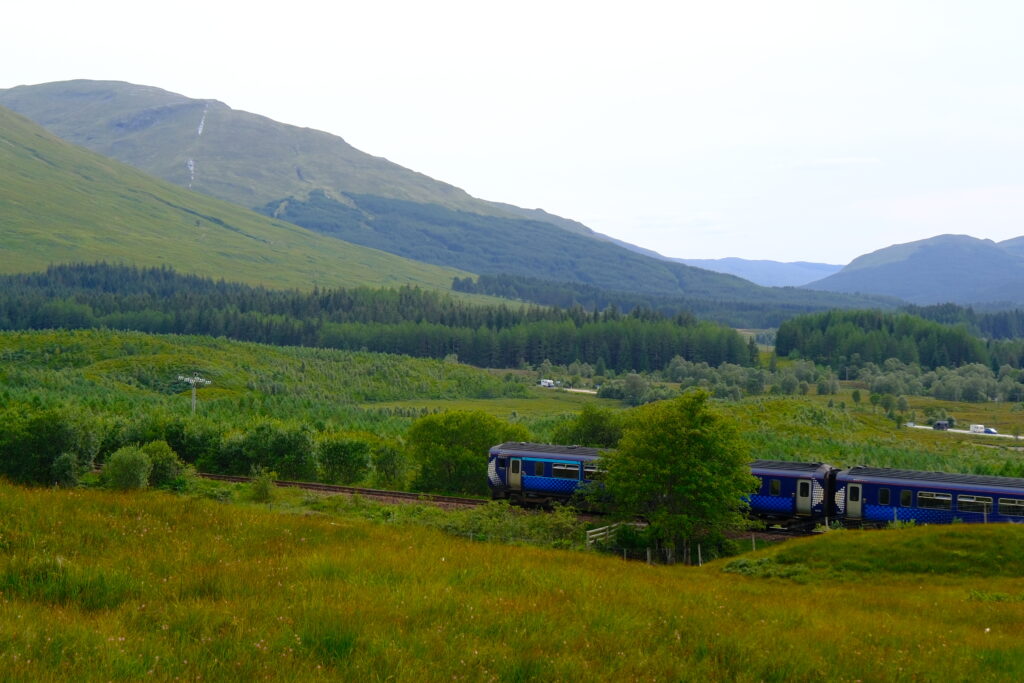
[
  {"x": 194, "y": 439},
  {"x": 262, "y": 488},
  {"x": 594, "y": 426},
  {"x": 343, "y": 460},
  {"x": 168, "y": 470},
  {"x": 285, "y": 448},
  {"x": 449, "y": 447},
  {"x": 65, "y": 470},
  {"x": 390, "y": 467},
  {"x": 127, "y": 469},
  {"x": 31, "y": 444}
]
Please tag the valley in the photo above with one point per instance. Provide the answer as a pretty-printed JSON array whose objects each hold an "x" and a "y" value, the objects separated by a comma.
[{"x": 358, "y": 324}]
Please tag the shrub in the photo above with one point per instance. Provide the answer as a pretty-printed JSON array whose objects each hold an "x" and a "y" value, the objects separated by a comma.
[
  {"x": 390, "y": 467},
  {"x": 127, "y": 469},
  {"x": 594, "y": 426},
  {"x": 286, "y": 448},
  {"x": 448, "y": 449},
  {"x": 168, "y": 470},
  {"x": 194, "y": 439},
  {"x": 262, "y": 488},
  {"x": 31, "y": 444},
  {"x": 65, "y": 470},
  {"x": 343, "y": 460}
]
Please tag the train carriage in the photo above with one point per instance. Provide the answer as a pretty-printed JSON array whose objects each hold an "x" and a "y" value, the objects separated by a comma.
[
  {"x": 791, "y": 491},
  {"x": 873, "y": 495},
  {"x": 539, "y": 473}
]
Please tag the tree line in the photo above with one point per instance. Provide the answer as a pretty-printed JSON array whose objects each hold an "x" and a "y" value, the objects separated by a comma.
[
  {"x": 759, "y": 308},
  {"x": 990, "y": 324},
  {"x": 845, "y": 340},
  {"x": 407, "y": 320}
]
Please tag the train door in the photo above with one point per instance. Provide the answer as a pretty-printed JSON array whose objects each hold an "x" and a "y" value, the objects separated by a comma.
[
  {"x": 854, "y": 500},
  {"x": 515, "y": 474},
  {"x": 803, "y": 496}
]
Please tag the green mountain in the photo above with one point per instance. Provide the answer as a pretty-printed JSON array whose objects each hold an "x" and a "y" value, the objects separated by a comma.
[
  {"x": 61, "y": 203},
  {"x": 209, "y": 147},
  {"x": 318, "y": 181},
  {"x": 945, "y": 269}
]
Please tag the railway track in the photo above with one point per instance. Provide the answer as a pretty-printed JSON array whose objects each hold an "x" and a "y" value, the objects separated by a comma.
[
  {"x": 451, "y": 502},
  {"x": 376, "y": 494}
]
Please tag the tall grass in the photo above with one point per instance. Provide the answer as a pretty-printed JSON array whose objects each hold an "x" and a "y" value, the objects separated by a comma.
[{"x": 100, "y": 586}]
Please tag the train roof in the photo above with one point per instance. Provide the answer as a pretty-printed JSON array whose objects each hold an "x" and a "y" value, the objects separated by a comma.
[
  {"x": 527, "y": 450},
  {"x": 883, "y": 474},
  {"x": 787, "y": 466}
]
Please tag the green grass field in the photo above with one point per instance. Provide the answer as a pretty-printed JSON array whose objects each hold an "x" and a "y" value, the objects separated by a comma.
[{"x": 103, "y": 586}]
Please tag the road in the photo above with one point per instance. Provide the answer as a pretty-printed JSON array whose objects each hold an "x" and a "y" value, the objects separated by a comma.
[{"x": 958, "y": 431}]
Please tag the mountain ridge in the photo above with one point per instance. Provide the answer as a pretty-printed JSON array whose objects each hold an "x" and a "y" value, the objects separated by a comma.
[
  {"x": 318, "y": 181},
  {"x": 259, "y": 163},
  {"x": 947, "y": 268}
]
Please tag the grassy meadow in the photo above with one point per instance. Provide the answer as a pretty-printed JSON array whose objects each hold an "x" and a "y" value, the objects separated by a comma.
[{"x": 102, "y": 586}]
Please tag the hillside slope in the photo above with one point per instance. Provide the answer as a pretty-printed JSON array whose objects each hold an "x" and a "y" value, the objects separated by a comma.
[
  {"x": 61, "y": 203},
  {"x": 948, "y": 268},
  {"x": 318, "y": 181},
  {"x": 182, "y": 588},
  {"x": 205, "y": 145}
]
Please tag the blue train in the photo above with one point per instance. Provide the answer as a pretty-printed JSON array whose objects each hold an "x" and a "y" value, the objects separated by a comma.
[
  {"x": 541, "y": 474},
  {"x": 790, "y": 493}
]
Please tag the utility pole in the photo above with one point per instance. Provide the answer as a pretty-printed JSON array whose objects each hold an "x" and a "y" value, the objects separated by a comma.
[{"x": 194, "y": 380}]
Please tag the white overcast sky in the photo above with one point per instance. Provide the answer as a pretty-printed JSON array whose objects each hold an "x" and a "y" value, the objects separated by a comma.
[{"x": 815, "y": 131}]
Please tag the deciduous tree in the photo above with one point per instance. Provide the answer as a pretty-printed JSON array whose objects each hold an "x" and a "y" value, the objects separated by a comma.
[{"x": 682, "y": 467}]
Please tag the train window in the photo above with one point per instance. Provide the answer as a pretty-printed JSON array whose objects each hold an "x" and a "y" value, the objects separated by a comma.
[
  {"x": 774, "y": 487},
  {"x": 1011, "y": 507},
  {"x": 805, "y": 489},
  {"x": 593, "y": 472},
  {"x": 515, "y": 466},
  {"x": 935, "y": 501},
  {"x": 974, "y": 504},
  {"x": 538, "y": 469},
  {"x": 883, "y": 497},
  {"x": 501, "y": 462},
  {"x": 854, "y": 494},
  {"x": 906, "y": 498},
  {"x": 565, "y": 471}
]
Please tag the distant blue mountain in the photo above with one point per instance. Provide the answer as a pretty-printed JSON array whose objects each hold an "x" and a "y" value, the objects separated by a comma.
[
  {"x": 764, "y": 273},
  {"x": 945, "y": 269},
  {"x": 767, "y": 273}
]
